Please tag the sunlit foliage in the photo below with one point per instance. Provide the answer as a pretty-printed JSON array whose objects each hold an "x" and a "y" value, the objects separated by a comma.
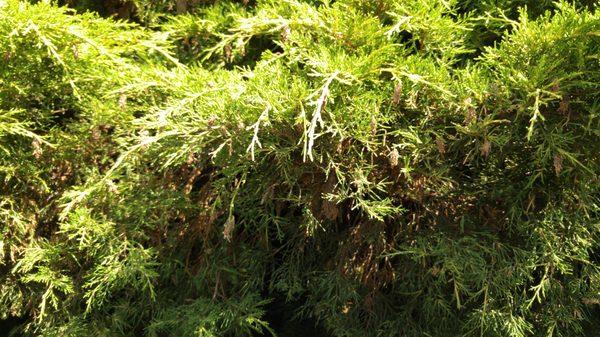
[{"x": 329, "y": 168}]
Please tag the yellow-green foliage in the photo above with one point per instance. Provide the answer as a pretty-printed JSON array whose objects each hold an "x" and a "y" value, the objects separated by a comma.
[{"x": 328, "y": 168}]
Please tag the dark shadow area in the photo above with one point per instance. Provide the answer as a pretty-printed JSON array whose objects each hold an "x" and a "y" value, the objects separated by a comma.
[
  {"x": 281, "y": 317},
  {"x": 8, "y": 326}
]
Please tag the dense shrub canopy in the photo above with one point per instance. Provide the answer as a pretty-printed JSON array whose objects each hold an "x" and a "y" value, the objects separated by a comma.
[{"x": 300, "y": 167}]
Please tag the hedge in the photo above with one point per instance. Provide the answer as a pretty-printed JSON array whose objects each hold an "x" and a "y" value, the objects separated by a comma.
[{"x": 300, "y": 167}]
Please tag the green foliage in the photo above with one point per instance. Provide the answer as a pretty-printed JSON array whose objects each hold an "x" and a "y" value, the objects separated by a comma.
[{"x": 348, "y": 168}]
